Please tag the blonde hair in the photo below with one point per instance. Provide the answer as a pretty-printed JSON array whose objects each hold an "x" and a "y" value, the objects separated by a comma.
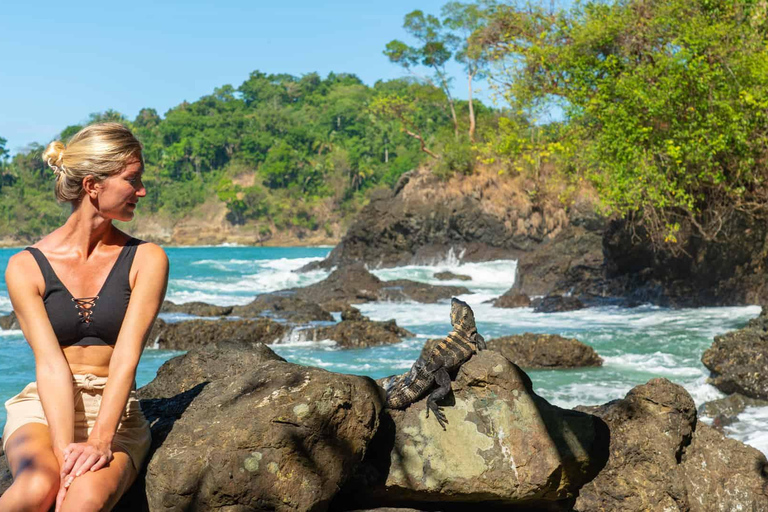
[{"x": 99, "y": 150}]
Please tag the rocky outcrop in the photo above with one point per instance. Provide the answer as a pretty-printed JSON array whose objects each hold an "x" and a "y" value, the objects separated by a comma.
[
  {"x": 725, "y": 411},
  {"x": 557, "y": 304},
  {"x": 545, "y": 351},
  {"x": 353, "y": 284},
  {"x": 656, "y": 454},
  {"x": 195, "y": 308},
  {"x": 504, "y": 446},
  {"x": 477, "y": 218},
  {"x": 250, "y": 431},
  {"x": 357, "y": 331},
  {"x": 738, "y": 360},
  {"x": 450, "y": 276},
  {"x": 512, "y": 300},
  {"x": 199, "y": 333},
  {"x": 723, "y": 474},
  {"x": 9, "y": 321},
  {"x": 284, "y": 306},
  {"x": 5, "y": 471}
]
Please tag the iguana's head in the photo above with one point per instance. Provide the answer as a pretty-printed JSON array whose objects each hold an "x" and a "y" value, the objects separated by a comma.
[{"x": 462, "y": 316}]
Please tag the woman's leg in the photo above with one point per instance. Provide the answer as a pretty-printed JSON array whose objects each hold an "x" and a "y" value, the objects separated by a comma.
[
  {"x": 34, "y": 468},
  {"x": 100, "y": 490}
]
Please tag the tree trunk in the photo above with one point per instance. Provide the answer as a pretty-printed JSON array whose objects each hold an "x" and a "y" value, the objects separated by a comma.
[{"x": 471, "y": 113}]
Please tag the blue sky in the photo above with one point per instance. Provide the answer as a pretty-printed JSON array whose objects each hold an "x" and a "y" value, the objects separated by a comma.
[{"x": 60, "y": 61}]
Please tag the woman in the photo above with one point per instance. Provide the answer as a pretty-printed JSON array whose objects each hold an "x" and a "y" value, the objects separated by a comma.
[{"x": 86, "y": 296}]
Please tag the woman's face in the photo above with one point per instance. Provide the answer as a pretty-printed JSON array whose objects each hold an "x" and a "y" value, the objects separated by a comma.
[{"x": 120, "y": 192}]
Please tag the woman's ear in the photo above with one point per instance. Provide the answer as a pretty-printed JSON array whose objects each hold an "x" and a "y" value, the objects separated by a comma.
[{"x": 91, "y": 187}]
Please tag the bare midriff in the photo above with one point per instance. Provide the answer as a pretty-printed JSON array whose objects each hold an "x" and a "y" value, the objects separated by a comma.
[{"x": 91, "y": 359}]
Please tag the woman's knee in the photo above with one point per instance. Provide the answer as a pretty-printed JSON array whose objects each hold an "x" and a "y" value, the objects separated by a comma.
[
  {"x": 36, "y": 488},
  {"x": 90, "y": 495}
]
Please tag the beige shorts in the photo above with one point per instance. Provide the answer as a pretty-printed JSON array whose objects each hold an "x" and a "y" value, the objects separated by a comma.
[{"x": 132, "y": 436}]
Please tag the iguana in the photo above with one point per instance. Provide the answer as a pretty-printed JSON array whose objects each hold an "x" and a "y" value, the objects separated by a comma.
[{"x": 447, "y": 356}]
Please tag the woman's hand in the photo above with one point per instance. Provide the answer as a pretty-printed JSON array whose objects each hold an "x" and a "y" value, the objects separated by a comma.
[{"x": 81, "y": 457}]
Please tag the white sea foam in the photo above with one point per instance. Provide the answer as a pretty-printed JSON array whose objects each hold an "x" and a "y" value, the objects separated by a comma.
[
  {"x": 5, "y": 304},
  {"x": 752, "y": 428},
  {"x": 658, "y": 363},
  {"x": 11, "y": 333},
  {"x": 496, "y": 276}
]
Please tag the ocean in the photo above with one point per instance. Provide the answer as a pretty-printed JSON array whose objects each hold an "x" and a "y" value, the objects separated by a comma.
[{"x": 637, "y": 344}]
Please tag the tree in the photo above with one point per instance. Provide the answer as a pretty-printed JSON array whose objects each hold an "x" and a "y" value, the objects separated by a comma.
[
  {"x": 665, "y": 102},
  {"x": 404, "y": 110},
  {"x": 435, "y": 50},
  {"x": 469, "y": 20}
]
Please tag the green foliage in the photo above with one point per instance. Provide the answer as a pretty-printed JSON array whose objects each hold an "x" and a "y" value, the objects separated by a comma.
[{"x": 664, "y": 100}]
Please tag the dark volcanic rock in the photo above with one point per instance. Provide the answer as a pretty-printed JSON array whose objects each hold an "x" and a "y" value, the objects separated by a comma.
[
  {"x": 357, "y": 331},
  {"x": 730, "y": 406},
  {"x": 9, "y": 321},
  {"x": 474, "y": 217},
  {"x": 354, "y": 285},
  {"x": 254, "y": 432},
  {"x": 738, "y": 360},
  {"x": 197, "y": 333},
  {"x": 195, "y": 308},
  {"x": 450, "y": 276},
  {"x": 504, "y": 446},
  {"x": 557, "y": 304},
  {"x": 296, "y": 433},
  {"x": 512, "y": 300},
  {"x": 724, "y": 474},
  {"x": 650, "y": 429},
  {"x": 5, "y": 471},
  {"x": 545, "y": 351},
  {"x": 284, "y": 306}
]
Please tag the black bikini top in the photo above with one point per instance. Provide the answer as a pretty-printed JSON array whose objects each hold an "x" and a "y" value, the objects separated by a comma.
[{"x": 87, "y": 321}]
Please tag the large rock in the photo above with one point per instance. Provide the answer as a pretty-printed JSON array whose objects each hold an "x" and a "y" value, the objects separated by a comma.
[
  {"x": 450, "y": 276},
  {"x": 504, "y": 446},
  {"x": 353, "y": 284},
  {"x": 474, "y": 218},
  {"x": 357, "y": 331},
  {"x": 197, "y": 333},
  {"x": 726, "y": 409},
  {"x": 650, "y": 429},
  {"x": 545, "y": 351},
  {"x": 512, "y": 300},
  {"x": 557, "y": 304},
  {"x": 195, "y": 308},
  {"x": 288, "y": 307},
  {"x": 5, "y": 471},
  {"x": 723, "y": 474},
  {"x": 9, "y": 321},
  {"x": 738, "y": 360},
  {"x": 248, "y": 431}
]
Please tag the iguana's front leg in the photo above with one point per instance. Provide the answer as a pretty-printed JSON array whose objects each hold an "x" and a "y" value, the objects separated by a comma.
[{"x": 443, "y": 380}]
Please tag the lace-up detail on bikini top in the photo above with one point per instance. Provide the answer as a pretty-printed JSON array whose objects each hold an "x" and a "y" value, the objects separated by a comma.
[
  {"x": 93, "y": 320},
  {"x": 85, "y": 307}
]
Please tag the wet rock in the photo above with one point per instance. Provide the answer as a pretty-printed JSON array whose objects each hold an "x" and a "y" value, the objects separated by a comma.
[
  {"x": 206, "y": 364},
  {"x": 195, "y": 308},
  {"x": 255, "y": 433},
  {"x": 724, "y": 474},
  {"x": 284, "y": 306},
  {"x": 557, "y": 304},
  {"x": 197, "y": 333},
  {"x": 357, "y": 331},
  {"x": 355, "y": 285},
  {"x": 512, "y": 300},
  {"x": 545, "y": 351},
  {"x": 504, "y": 446},
  {"x": 730, "y": 406},
  {"x": 738, "y": 360},
  {"x": 450, "y": 276},
  {"x": 650, "y": 429},
  {"x": 9, "y": 321}
]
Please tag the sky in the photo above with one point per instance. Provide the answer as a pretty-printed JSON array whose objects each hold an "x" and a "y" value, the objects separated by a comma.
[{"x": 61, "y": 61}]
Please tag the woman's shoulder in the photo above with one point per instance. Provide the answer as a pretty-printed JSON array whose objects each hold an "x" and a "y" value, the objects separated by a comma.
[{"x": 149, "y": 253}]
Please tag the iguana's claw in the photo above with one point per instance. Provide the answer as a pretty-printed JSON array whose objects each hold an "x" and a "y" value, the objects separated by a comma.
[{"x": 439, "y": 414}]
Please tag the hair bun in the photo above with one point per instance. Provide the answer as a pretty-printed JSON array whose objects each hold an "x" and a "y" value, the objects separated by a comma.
[{"x": 54, "y": 157}]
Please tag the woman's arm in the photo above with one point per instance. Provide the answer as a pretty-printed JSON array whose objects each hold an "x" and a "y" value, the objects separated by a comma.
[
  {"x": 146, "y": 298},
  {"x": 54, "y": 378}
]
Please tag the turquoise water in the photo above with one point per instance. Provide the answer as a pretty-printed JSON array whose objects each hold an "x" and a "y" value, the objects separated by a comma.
[{"x": 637, "y": 344}]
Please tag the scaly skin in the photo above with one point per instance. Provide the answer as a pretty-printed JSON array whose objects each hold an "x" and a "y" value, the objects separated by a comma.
[{"x": 448, "y": 355}]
